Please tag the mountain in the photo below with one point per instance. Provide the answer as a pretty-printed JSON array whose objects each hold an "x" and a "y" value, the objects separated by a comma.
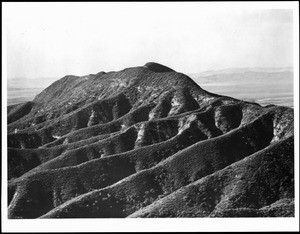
[
  {"x": 147, "y": 141},
  {"x": 248, "y": 84}
]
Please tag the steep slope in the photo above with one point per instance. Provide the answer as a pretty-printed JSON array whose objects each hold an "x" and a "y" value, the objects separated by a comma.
[
  {"x": 134, "y": 142},
  {"x": 259, "y": 185}
]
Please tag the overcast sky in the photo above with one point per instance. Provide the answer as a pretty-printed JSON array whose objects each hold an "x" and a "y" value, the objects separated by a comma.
[{"x": 58, "y": 39}]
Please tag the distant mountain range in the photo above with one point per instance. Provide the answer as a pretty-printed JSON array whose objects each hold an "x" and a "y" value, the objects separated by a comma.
[
  {"x": 262, "y": 85},
  {"x": 242, "y": 70}
]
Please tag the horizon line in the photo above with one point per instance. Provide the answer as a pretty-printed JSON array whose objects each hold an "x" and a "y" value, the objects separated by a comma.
[{"x": 203, "y": 71}]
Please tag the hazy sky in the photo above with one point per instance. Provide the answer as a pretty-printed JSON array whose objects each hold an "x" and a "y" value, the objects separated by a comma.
[{"x": 57, "y": 39}]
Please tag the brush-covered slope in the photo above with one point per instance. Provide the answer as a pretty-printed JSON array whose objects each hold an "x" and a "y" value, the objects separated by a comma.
[{"x": 147, "y": 142}]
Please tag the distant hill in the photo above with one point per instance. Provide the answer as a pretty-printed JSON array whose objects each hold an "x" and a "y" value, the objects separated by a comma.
[
  {"x": 147, "y": 141},
  {"x": 243, "y": 70},
  {"x": 264, "y": 86}
]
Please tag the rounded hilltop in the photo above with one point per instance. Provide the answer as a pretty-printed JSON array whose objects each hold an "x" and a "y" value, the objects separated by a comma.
[{"x": 156, "y": 67}]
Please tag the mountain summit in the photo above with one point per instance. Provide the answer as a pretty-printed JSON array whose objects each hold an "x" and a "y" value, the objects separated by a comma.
[
  {"x": 147, "y": 141},
  {"x": 156, "y": 67}
]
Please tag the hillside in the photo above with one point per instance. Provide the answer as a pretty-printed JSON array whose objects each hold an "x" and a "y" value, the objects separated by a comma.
[{"x": 147, "y": 141}]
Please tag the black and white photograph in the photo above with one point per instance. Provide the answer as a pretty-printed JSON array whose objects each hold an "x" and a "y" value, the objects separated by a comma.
[{"x": 150, "y": 116}]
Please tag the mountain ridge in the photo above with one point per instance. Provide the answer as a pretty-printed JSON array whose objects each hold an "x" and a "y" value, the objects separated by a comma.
[{"x": 115, "y": 144}]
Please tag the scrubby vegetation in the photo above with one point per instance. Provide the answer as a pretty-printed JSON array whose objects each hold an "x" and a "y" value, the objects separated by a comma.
[{"x": 147, "y": 142}]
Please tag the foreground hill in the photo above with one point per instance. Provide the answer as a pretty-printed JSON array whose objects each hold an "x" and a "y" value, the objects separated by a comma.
[{"x": 147, "y": 142}]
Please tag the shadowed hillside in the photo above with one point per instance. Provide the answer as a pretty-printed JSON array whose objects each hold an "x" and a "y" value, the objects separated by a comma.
[{"x": 147, "y": 142}]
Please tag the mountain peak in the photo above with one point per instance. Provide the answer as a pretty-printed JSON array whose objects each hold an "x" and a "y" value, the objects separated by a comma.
[{"x": 156, "y": 67}]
